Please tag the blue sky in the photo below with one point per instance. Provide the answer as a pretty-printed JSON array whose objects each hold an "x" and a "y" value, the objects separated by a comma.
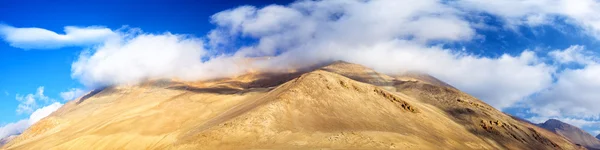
[
  {"x": 23, "y": 71},
  {"x": 519, "y": 61}
]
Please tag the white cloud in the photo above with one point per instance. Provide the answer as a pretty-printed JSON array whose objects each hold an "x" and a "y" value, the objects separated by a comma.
[
  {"x": 574, "y": 94},
  {"x": 581, "y": 123},
  {"x": 380, "y": 35},
  {"x": 29, "y": 102},
  {"x": 14, "y": 128},
  {"x": 20, "y": 126},
  {"x": 71, "y": 94},
  {"x": 390, "y": 36},
  {"x": 146, "y": 56},
  {"x": 574, "y": 54},
  {"x": 38, "y": 38},
  {"x": 41, "y": 113},
  {"x": 540, "y": 12}
]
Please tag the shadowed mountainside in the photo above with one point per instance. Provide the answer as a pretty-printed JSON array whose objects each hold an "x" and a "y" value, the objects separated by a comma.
[
  {"x": 338, "y": 106},
  {"x": 572, "y": 133}
]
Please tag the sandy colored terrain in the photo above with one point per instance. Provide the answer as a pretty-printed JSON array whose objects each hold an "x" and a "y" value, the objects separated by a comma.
[{"x": 340, "y": 106}]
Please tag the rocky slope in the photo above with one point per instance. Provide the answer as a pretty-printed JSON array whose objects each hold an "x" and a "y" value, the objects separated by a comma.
[
  {"x": 338, "y": 106},
  {"x": 572, "y": 133}
]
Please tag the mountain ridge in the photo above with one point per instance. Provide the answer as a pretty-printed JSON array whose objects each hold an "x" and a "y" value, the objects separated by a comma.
[{"x": 341, "y": 105}]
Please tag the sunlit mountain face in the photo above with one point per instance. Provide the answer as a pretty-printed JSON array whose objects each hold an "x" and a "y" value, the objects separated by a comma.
[{"x": 77, "y": 72}]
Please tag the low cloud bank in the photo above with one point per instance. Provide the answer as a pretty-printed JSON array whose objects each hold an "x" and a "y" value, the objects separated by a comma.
[{"x": 21, "y": 125}]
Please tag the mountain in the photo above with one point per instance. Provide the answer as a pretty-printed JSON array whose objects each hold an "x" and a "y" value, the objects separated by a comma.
[
  {"x": 598, "y": 136},
  {"x": 6, "y": 139},
  {"x": 572, "y": 133},
  {"x": 339, "y": 106}
]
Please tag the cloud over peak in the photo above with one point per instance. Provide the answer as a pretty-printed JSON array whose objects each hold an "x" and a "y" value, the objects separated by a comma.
[
  {"x": 38, "y": 38},
  {"x": 373, "y": 33},
  {"x": 390, "y": 36}
]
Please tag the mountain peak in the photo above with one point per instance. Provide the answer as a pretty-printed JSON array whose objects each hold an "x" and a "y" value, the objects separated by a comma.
[
  {"x": 573, "y": 133},
  {"x": 359, "y": 73},
  {"x": 554, "y": 123},
  {"x": 341, "y": 105}
]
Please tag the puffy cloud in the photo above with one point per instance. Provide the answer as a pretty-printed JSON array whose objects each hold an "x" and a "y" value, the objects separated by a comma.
[
  {"x": 390, "y": 40},
  {"x": 575, "y": 93},
  {"x": 71, "y": 94},
  {"x": 574, "y": 96},
  {"x": 29, "y": 102},
  {"x": 148, "y": 56},
  {"x": 38, "y": 38},
  {"x": 43, "y": 112},
  {"x": 14, "y": 128},
  {"x": 388, "y": 35},
  {"x": 20, "y": 126}
]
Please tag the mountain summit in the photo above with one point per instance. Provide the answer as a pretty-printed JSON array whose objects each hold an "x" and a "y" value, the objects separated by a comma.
[
  {"x": 340, "y": 106},
  {"x": 572, "y": 133}
]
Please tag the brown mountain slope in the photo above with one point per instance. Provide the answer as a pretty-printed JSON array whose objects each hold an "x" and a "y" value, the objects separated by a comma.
[
  {"x": 482, "y": 119},
  {"x": 572, "y": 133},
  {"x": 478, "y": 117},
  {"x": 337, "y": 106}
]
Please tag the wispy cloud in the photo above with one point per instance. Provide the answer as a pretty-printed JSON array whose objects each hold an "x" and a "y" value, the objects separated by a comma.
[
  {"x": 71, "y": 94},
  {"x": 28, "y": 103},
  {"x": 38, "y": 38},
  {"x": 582, "y": 13}
]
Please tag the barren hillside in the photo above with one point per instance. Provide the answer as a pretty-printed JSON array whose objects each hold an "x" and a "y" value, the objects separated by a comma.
[{"x": 338, "y": 106}]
